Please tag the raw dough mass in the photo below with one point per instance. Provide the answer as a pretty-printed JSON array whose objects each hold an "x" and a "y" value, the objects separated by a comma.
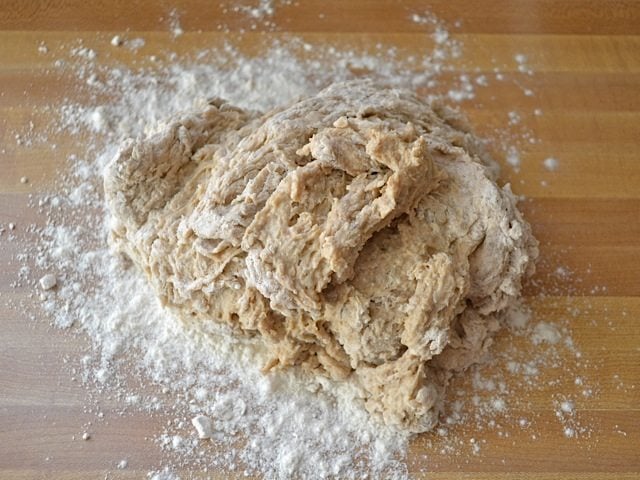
[{"x": 359, "y": 234}]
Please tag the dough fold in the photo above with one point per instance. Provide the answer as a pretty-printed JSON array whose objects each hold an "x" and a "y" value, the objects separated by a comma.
[{"x": 359, "y": 234}]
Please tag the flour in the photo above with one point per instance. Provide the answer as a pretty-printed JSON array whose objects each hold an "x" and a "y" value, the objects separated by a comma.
[
  {"x": 567, "y": 414},
  {"x": 551, "y": 164},
  {"x": 279, "y": 425},
  {"x": 545, "y": 333},
  {"x": 174, "y": 24},
  {"x": 192, "y": 367},
  {"x": 203, "y": 426},
  {"x": 275, "y": 78},
  {"x": 84, "y": 52},
  {"x": 513, "y": 158},
  {"x": 48, "y": 281}
]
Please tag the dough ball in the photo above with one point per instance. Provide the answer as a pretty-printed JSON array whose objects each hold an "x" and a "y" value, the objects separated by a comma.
[{"x": 359, "y": 234}]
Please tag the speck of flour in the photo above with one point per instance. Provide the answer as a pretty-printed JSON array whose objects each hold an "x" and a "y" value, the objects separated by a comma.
[
  {"x": 550, "y": 164},
  {"x": 223, "y": 414}
]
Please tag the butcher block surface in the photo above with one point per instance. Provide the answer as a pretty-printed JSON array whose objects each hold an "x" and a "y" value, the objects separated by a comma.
[{"x": 585, "y": 56}]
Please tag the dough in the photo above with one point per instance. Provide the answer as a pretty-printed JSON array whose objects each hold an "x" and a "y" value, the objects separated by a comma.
[{"x": 359, "y": 234}]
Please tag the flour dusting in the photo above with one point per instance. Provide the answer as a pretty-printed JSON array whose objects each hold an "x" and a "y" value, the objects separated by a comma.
[{"x": 222, "y": 414}]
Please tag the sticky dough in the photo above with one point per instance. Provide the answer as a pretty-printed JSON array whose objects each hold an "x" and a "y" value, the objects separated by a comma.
[{"x": 359, "y": 234}]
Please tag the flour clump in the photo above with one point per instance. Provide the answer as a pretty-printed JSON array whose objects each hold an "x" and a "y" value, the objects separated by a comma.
[{"x": 359, "y": 234}]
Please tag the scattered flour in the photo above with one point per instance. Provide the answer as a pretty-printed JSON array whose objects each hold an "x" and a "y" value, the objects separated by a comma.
[
  {"x": 225, "y": 415},
  {"x": 84, "y": 52},
  {"x": 513, "y": 158},
  {"x": 48, "y": 281},
  {"x": 203, "y": 426},
  {"x": 174, "y": 24},
  {"x": 135, "y": 43},
  {"x": 545, "y": 333},
  {"x": 551, "y": 164},
  {"x": 567, "y": 406},
  {"x": 567, "y": 414},
  {"x": 520, "y": 58}
]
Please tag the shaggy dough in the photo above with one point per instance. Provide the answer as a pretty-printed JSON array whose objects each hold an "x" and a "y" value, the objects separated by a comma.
[{"x": 358, "y": 233}]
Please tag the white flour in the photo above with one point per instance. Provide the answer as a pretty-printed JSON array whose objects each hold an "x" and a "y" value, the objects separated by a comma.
[
  {"x": 280, "y": 425},
  {"x": 294, "y": 429}
]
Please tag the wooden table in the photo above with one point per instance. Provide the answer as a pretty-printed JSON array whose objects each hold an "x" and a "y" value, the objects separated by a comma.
[{"x": 586, "y": 59}]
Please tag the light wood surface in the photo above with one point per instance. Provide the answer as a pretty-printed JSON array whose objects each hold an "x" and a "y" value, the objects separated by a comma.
[{"x": 586, "y": 59}]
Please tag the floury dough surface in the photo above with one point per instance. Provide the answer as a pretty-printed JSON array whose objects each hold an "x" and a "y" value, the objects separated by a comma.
[{"x": 359, "y": 234}]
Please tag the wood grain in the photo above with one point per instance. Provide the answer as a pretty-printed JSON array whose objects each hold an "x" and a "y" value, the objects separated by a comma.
[
  {"x": 609, "y": 17},
  {"x": 586, "y": 59}
]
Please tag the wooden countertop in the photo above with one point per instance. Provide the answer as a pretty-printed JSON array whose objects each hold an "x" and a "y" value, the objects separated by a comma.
[{"x": 586, "y": 59}]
